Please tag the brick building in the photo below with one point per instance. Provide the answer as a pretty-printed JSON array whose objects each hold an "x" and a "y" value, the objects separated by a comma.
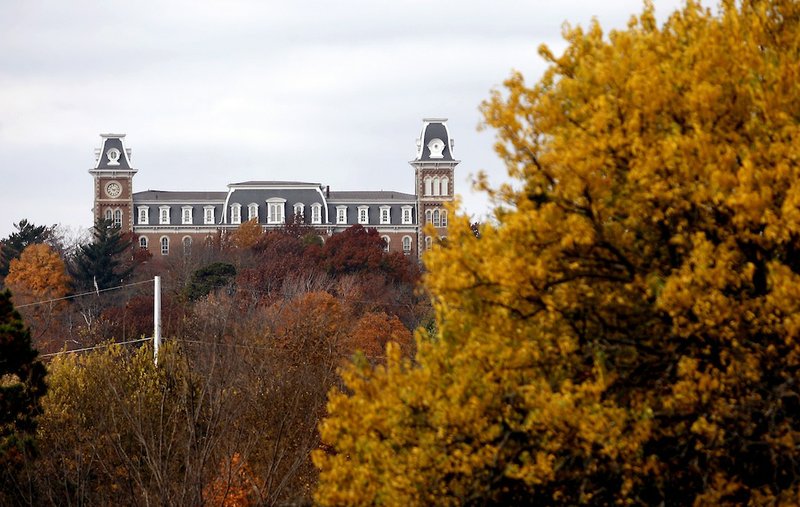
[{"x": 170, "y": 221}]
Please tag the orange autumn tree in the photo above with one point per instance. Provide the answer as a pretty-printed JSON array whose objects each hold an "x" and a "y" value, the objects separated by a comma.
[
  {"x": 247, "y": 234},
  {"x": 628, "y": 331},
  {"x": 39, "y": 275},
  {"x": 373, "y": 331},
  {"x": 233, "y": 486}
]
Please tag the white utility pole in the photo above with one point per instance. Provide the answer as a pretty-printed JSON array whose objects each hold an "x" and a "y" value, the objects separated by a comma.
[{"x": 156, "y": 318}]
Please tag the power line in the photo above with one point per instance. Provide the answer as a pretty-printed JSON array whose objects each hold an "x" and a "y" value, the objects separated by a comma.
[
  {"x": 95, "y": 347},
  {"x": 83, "y": 294}
]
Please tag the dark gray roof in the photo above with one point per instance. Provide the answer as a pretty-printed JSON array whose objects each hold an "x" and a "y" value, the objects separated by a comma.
[
  {"x": 434, "y": 131},
  {"x": 370, "y": 195},
  {"x": 122, "y": 161},
  {"x": 275, "y": 183},
  {"x": 163, "y": 195}
]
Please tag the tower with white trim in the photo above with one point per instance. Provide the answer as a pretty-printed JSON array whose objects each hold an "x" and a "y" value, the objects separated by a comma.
[
  {"x": 434, "y": 166},
  {"x": 113, "y": 182}
]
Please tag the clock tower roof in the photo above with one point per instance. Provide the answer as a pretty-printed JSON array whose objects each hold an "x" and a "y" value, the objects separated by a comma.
[
  {"x": 434, "y": 143},
  {"x": 112, "y": 154}
]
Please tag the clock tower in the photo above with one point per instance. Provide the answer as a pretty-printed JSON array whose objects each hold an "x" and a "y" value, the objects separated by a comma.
[
  {"x": 113, "y": 182},
  {"x": 434, "y": 166}
]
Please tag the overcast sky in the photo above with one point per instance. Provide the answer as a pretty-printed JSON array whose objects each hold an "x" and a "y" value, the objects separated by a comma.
[{"x": 216, "y": 92}]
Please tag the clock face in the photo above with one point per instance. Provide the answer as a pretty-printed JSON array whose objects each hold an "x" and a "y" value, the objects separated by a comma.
[{"x": 113, "y": 189}]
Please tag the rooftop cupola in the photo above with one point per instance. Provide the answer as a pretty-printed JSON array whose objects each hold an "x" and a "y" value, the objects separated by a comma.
[
  {"x": 434, "y": 143},
  {"x": 112, "y": 154}
]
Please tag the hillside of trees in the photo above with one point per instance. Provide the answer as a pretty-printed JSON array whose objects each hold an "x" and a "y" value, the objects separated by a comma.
[{"x": 256, "y": 326}]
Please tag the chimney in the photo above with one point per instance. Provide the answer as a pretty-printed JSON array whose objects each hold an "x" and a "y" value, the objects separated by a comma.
[{"x": 327, "y": 192}]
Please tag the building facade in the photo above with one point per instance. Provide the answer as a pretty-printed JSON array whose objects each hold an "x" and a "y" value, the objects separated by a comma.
[{"x": 167, "y": 222}]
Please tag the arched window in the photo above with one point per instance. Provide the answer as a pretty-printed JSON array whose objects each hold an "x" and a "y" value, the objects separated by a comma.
[
  {"x": 407, "y": 214},
  {"x": 386, "y": 240},
  {"x": 316, "y": 213},
  {"x": 187, "y": 245},
  {"x": 436, "y": 185},
  {"x": 236, "y": 213},
  {"x": 428, "y": 216},
  {"x": 252, "y": 211},
  {"x": 445, "y": 186},
  {"x": 406, "y": 245},
  {"x": 143, "y": 242},
  {"x": 109, "y": 215},
  {"x": 363, "y": 214},
  {"x": 428, "y": 186},
  {"x": 436, "y": 218},
  {"x": 275, "y": 210},
  {"x": 428, "y": 242},
  {"x": 164, "y": 245},
  {"x": 299, "y": 212},
  {"x": 117, "y": 218},
  {"x": 444, "y": 218}
]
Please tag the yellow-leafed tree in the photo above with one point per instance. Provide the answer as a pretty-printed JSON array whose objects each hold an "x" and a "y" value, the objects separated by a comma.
[
  {"x": 39, "y": 275},
  {"x": 627, "y": 331}
]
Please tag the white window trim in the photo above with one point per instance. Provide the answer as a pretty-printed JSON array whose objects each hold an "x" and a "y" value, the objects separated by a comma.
[
  {"x": 445, "y": 186},
  {"x": 387, "y": 240},
  {"x": 252, "y": 211},
  {"x": 184, "y": 219},
  {"x": 118, "y": 215},
  {"x": 341, "y": 218},
  {"x": 143, "y": 243},
  {"x": 299, "y": 210},
  {"x": 206, "y": 219},
  {"x": 388, "y": 218},
  {"x": 365, "y": 211},
  {"x": 162, "y": 243},
  {"x": 428, "y": 186},
  {"x": 443, "y": 218},
  {"x": 276, "y": 204},
  {"x": 410, "y": 244},
  {"x": 407, "y": 214},
  {"x": 144, "y": 214},
  {"x": 316, "y": 213},
  {"x": 236, "y": 213},
  {"x": 161, "y": 219}
]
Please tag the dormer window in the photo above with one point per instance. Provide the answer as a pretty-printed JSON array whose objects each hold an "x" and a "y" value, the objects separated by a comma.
[
  {"x": 236, "y": 213},
  {"x": 299, "y": 212},
  {"x": 252, "y": 211},
  {"x": 386, "y": 216},
  {"x": 113, "y": 156},
  {"x": 341, "y": 214},
  {"x": 208, "y": 215},
  {"x": 316, "y": 213},
  {"x": 407, "y": 215},
  {"x": 144, "y": 212},
  {"x": 163, "y": 215},
  {"x": 276, "y": 211},
  {"x": 363, "y": 215},
  {"x": 186, "y": 215},
  {"x": 436, "y": 146}
]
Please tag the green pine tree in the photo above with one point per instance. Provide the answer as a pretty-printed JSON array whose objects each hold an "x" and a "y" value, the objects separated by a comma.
[
  {"x": 99, "y": 262},
  {"x": 26, "y": 234},
  {"x": 22, "y": 386}
]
